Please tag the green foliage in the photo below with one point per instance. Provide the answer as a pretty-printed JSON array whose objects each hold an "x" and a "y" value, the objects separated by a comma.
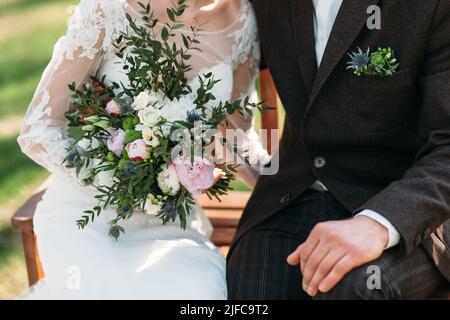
[
  {"x": 89, "y": 215},
  {"x": 154, "y": 60},
  {"x": 383, "y": 62},
  {"x": 132, "y": 135}
]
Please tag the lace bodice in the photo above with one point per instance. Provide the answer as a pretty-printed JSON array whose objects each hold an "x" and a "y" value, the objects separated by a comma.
[{"x": 87, "y": 49}]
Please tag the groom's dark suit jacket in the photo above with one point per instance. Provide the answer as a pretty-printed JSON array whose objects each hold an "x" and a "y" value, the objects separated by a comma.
[{"x": 381, "y": 143}]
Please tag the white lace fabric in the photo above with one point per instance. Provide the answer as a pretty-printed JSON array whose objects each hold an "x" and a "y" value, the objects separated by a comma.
[{"x": 88, "y": 45}]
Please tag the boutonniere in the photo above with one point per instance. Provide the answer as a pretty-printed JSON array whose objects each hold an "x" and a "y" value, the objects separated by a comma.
[{"x": 381, "y": 62}]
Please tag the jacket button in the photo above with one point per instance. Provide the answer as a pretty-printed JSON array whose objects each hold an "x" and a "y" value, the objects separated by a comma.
[
  {"x": 284, "y": 199},
  {"x": 319, "y": 162}
]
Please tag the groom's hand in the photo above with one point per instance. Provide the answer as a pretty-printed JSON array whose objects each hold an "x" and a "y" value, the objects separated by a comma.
[{"x": 334, "y": 248}]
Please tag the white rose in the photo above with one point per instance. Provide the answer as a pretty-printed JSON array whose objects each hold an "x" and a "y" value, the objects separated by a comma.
[
  {"x": 149, "y": 116},
  {"x": 168, "y": 181},
  {"x": 149, "y": 135},
  {"x": 105, "y": 178},
  {"x": 95, "y": 143},
  {"x": 152, "y": 209},
  {"x": 150, "y": 98},
  {"x": 87, "y": 144},
  {"x": 142, "y": 100},
  {"x": 84, "y": 144}
]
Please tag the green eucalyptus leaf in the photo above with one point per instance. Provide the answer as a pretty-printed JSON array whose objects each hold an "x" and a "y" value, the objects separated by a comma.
[{"x": 164, "y": 33}]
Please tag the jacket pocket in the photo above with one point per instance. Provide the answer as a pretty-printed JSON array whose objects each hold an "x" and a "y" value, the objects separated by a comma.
[{"x": 381, "y": 104}]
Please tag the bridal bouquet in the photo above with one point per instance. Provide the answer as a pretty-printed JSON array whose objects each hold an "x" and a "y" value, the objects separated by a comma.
[{"x": 147, "y": 145}]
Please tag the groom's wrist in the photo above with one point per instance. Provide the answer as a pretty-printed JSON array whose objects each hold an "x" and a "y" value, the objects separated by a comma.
[{"x": 393, "y": 234}]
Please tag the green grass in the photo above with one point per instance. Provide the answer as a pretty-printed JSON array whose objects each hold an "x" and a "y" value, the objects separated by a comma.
[
  {"x": 16, "y": 170},
  {"x": 24, "y": 55},
  {"x": 28, "y": 31},
  {"x": 8, "y": 7},
  {"x": 12, "y": 267}
]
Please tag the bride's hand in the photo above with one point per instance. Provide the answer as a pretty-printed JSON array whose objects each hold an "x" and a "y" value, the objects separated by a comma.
[{"x": 218, "y": 175}]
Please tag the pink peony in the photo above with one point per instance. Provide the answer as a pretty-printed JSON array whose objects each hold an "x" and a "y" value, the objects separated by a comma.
[
  {"x": 195, "y": 176},
  {"x": 115, "y": 141},
  {"x": 113, "y": 108},
  {"x": 138, "y": 150}
]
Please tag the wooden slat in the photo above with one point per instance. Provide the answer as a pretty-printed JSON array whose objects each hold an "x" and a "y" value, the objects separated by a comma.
[
  {"x": 30, "y": 257},
  {"x": 223, "y": 214},
  {"x": 223, "y": 236},
  {"x": 224, "y": 223},
  {"x": 33, "y": 263}
]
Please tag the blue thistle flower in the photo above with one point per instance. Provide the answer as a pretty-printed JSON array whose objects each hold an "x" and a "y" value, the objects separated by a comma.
[
  {"x": 72, "y": 159},
  {"x": 168, "y": 210},
  {"x": 359, "y": 61},
  {"x": 192, "y": 116},
  {"x": 130, "y": 169},
  {"x": 126, "y": 210},
  {"x": 70, "y": 156},
  {"x": 125, "y": 109}
]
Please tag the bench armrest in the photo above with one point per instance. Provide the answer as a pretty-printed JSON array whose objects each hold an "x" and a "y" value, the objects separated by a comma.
[{"x": 22, "y": 220}]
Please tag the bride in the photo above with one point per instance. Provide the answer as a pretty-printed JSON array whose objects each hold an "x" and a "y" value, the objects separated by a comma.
[{"x": 150, "y": 261}]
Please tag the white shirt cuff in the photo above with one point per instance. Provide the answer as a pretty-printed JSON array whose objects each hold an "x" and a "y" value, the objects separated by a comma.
[{"x": 394, "y": 235}]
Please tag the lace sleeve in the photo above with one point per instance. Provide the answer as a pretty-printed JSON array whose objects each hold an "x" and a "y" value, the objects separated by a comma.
[
  {"x": 246, "y": 56},
  {"x": 76, "y": 57}
]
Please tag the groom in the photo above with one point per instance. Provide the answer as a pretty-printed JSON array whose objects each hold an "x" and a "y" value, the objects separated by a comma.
[{"x": 360, "y": 207}]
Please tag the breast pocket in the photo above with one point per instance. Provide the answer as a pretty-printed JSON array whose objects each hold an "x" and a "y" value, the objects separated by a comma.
[{"x": 381, "y": 104}]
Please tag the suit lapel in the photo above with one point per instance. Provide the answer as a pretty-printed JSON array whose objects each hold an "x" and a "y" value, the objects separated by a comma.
[
  {"x": 303, "y": 29},
  {"x": 349, "y": 22}
]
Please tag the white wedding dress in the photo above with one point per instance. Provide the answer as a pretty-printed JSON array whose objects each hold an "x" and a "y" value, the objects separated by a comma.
[{"x": 150, "y": 261}]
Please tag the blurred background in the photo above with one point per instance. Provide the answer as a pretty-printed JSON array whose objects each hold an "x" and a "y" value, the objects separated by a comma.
[{"x": 28, "y": 31}]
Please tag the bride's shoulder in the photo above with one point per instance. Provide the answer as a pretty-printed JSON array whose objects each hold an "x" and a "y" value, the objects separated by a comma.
[
  {"x": 247, "y": 14},
  {"x": 94, "y": 26},
  {"x": 106, "y": 14},
  {"x": 101, "y": 9},
  {"x": 245, "y": 35}
]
